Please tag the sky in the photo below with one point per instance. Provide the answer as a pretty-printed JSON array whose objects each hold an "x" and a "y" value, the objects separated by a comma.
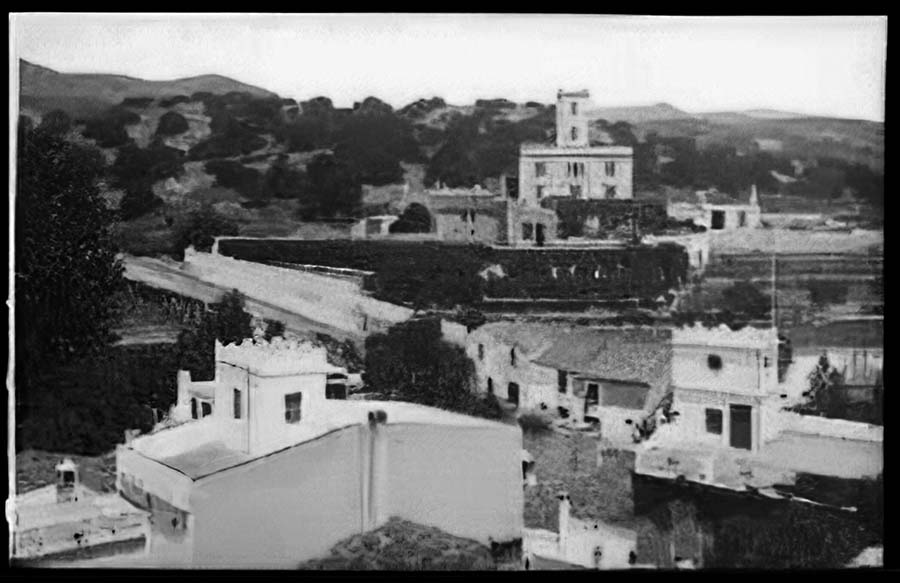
[{"x": 832, "y": 66}]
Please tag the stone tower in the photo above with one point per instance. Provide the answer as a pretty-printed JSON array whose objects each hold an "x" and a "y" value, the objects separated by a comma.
[{"x": 571, "y": 119}]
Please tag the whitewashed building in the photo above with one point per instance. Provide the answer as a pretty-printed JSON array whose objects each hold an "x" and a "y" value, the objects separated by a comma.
[{"x": 277, "y": 472}]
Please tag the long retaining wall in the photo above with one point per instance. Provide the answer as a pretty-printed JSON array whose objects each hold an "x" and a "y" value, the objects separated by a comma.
[{"x": 337, "y": 302}]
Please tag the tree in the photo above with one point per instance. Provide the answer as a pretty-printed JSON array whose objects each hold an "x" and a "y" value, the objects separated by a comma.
[
  {"x": 282, "y": 181},
  {"x": 744, "y": 299},
  {"x": 172, "y": 123},
  {"x": 56, "y": 122},
  {"x": 66, "y": 270},
  {"x": 226, "y": 321},
  {"x": 333, "y": 189},
  {"x": 415, "y": 219},
  {"x": 274, "y": 329},
  {"x": 412, "y": 362},
  {"x": 200, "y": 229}
]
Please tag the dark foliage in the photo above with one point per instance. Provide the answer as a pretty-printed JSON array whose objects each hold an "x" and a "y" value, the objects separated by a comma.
[
  {"x": 333, "y": 189},
  {"x": 436, "y": 275},
  {"x": 56, "y": 122},
  {"x": 746, "y": 300},
  {"x": 108, "y": 129},
  {"x": 413, "y": 363},
  {"x": 200, "y": 229},
  {"x": 66, "y": 271},
  {"x": 227, "y": 322},
  {"x": 174, "y": 100},
  {"x": 85, "y": 407},
  {"x": 415, "y": 219},
  {"x": 282, "y": 181},
  {"x": 171, "y": 123},
  {"x": 137, "y": 204},
  {"x": 274, "y": 329},
  {"x": 234, "y": 175},
  {"x": 137, "y": 169},
  {"x": 137, "y": 102},
  {"x": 615, "y": 216}
]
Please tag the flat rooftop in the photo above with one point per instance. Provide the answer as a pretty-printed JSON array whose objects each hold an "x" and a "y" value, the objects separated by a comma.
[{"x": 197, "y": 454}]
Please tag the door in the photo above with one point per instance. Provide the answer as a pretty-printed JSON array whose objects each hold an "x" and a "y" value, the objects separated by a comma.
[
  {"x": 718, "y": 220},
  {"x": 741, "y": 428},
  {"x": 512, "y": 394},
  {"x": 539, "y": 235}
]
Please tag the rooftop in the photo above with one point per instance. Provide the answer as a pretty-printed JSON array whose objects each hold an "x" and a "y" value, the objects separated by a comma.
[
  {"x": 278, "y": 357},
  {"x": 723, "y": 336},
  {"x": 39, "y": 508},
  {"x": 197, "y": 448}
]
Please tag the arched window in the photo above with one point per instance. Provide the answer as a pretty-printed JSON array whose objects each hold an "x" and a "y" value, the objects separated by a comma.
[
  {"x": 512, "y": 357},
  {"x": 574, "y": 133},
  {"x": 490, "y": 387}
]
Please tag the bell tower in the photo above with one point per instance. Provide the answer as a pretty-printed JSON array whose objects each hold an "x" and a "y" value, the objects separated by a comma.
[{"x": 571, "y": 119}]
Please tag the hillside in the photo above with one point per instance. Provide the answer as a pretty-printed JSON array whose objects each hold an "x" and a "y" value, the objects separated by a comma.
[
  {"x": 83, "y": 95},
  {"x": 639, "y": 114}
]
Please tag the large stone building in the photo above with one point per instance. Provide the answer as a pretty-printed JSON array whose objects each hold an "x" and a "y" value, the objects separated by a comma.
[
  {"x": 573, "y": 168},
  {"x": 275, "y": 470}
]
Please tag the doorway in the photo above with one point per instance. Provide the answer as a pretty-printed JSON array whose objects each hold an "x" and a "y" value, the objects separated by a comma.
[
  {"x": 741, "y": 427},
  {"x": 718, "y": 220},
  {"x": 539, "y": 234},
  {"x": 512, "y": 394}
]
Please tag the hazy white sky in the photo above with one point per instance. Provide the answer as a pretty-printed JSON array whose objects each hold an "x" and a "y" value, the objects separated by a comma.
[{"x": 820, "y": 65}]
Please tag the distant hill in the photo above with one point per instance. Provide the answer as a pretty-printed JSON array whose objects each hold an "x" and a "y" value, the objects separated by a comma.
[
  {"x": 639, "y": 114},
  {"x": 749, "y": 115},
  {"x": 82, "y": 95}
]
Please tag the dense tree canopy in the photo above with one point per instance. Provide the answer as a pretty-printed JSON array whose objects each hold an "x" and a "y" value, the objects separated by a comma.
[
  {"x": 412, "y": 362},
  {"x": 66, "y": 270},
  {"x": 227, "y": 322}
]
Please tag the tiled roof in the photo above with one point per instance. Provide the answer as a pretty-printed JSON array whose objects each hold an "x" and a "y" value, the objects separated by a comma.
[{"x": 630, "y": 355}]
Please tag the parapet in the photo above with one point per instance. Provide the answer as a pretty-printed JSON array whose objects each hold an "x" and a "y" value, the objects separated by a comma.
[
  {"x": 279, "y": 357},
  {"x": 747, "y": 337}
]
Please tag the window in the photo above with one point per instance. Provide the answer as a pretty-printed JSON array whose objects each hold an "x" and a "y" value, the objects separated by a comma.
[
  {"x": 575, "y": 169},
  {"x": 540, "y": 168},
  {"x": 490, "y": 387},
  {"x": 563, "y": 380},
  {"x": 610, "y": 168},
  {"x": 575, "y": 190},
  {"x": 610, "y": 192},
  {"x": 205, "y": 409},
  {"x": 742, "y": 219},
  {"x": 292, "y": 407},
  {"x": 714, "y": 421},
  {"x": 568, "y": 168},
  {"x": 512, "y": 357},
  {"x": 512, "y": 393},
  {"x": 574, "y": 133},
  {"x": 481, "y": 352},
  {"x": 236, "y": 398},
  {"x": 593, "y": 394},
  {"x": 714, "y": 361},
  {"x": 539, "y": 191},
  {"x": 68, "y": 477},
  {"x": 527, "y": 231},
  {"x": 193, "y": 408},
  {"x": 574, "y": 108},
  {"x": 766, "y": 361}
]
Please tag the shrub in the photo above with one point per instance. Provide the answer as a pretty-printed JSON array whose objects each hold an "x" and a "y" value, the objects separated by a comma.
[
  {"x": 172, "y": 123},
  {"x": 415, "y": 219},
  {"x": 235, "y": 175},
  {"x": 200, "y": 229},
  {"x": 534, "y": 422},
  {"x": 138, "y": 102},
  {"x": 56, "y": 122},
  {"x": 137, "y": 204}
]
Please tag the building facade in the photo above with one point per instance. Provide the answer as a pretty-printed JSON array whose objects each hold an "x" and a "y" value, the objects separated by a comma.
[
  {"x": 573, "y": 168},
  {"x": 278, "y": 472}
]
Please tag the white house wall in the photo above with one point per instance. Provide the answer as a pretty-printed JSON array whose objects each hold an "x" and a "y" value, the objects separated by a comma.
[
  {"x": 292, "y": 506},
  {"x": 465, "y": 481}
]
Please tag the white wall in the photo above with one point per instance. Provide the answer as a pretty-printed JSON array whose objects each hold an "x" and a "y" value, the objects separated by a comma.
[
  {"x": 267, "y": 423},
  {"x": 742, "y": 369},
  {"x": 465, "y": 481},
  {"x": 281, "y": 510},
  {"x": 332, "y": 301},
  {"x": 537, "y": 384}
]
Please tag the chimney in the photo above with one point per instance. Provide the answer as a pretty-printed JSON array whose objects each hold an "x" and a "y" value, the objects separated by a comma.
[
  {"x": 67, "y": 482},
  {"x": 754, "y": 198}
]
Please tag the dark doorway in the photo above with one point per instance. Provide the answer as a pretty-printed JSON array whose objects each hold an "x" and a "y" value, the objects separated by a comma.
[
  {"x": 742, "y": 219},
  {"x": 741, "y": 428},
  {"x": 490, "y": 387},
  {"x": 539, "y": 235},
  {"x": 718, "y": 220},
  {"x": 205, "y": 409},
  {"x": 512, "y": 393},
  {"x": 592, "y": 396},
  {"x": 193, "y": 408}
]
